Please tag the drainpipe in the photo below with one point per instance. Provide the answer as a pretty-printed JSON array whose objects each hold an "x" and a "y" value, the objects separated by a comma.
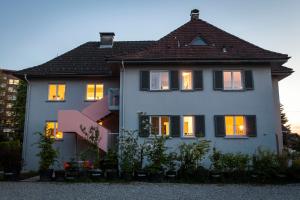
[
  {"x": 25, "y": 137},
  {"x": 122, "y": 95}
]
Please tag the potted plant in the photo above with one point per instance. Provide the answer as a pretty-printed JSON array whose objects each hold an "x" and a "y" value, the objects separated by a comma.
[
  {"x": 171, "y": 172},
  {"x": 110, "y": 164},
  {"x": 140, "y": 173},
  {"x": 47, "y": 156},
  {"x": 216, "y": 165}
]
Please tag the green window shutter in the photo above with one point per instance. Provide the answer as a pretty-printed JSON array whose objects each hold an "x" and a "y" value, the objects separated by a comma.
[
  {"x": 174, "y": 80},
  {"x": 248, "y": 80},
  {"x": 199, "y": 126},
  {"x": 144, "y": 126},
  {"x": 175, "y": 126},
  {"x": 219, "y": 126},
  {"x": 218, "y": 80},
  {"x": 251, "y": 125},
  {"x": 144, "y": 80},
  {"x": 197, "y": 80}
]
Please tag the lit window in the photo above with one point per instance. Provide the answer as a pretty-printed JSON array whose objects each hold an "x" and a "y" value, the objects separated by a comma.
[
  {"x": 188, "y": 126},
  {"x": 232, "y": 80},
  {"x": 159, "y": 80},
  {"x": 56, "y": 92},
  {"x": 235, "y": 125},
  {"x": 52, "y": 130},
  {"x": 11, "y": 81},
  {"x": 186, "y": 80},
  {"x": 160, "y": 125},
  {"x": 94, "y": 92}
]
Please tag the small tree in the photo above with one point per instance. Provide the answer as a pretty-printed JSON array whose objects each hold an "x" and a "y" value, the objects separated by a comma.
[
  {"x": 129, "y": 151},
  {"x": 47, "y": 153},
  {"x": 190, "y": 155}
]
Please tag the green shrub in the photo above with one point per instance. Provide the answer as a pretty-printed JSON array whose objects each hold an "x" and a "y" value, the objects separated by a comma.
[
  {"x": 156, "y": 152},
  {"x": 265, "y": 164},
  {"x": 47, "y": 153},
  {"x": 190, "y": 155},
  {"x": 129, "y": 151}
]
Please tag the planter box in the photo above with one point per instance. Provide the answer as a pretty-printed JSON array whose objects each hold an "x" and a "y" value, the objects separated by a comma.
[
  {"x": 96, "y": 174},
  {"x": 46, "y": 175},
  {"x": 60, "y": 175},
  {"x": 141, "y": 175}
]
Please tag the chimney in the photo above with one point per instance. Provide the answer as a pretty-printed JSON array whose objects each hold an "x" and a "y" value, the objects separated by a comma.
[
  {"x": 194, "y": 14},
  {"x": 106, "y": 39}
]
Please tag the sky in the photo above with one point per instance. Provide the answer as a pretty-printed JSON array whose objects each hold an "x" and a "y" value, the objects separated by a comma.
[{"x": 35, "y": 31}]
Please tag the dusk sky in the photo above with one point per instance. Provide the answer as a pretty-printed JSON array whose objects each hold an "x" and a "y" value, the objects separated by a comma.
[{"x": 35, "y": 31}]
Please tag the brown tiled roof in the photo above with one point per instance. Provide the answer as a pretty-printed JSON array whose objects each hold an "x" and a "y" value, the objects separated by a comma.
[
  {"x": 87, "y": 59},
  {"x": 177, "y": 46}
]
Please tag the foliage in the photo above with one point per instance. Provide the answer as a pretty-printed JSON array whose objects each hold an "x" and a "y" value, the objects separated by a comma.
[
  {"x": 10, "y": 156},
  {"x": 93, "y": 136},
  {"x": 129, "y": 151},
  {"x": 19, "y": 109},
  {"x": 156, "y": 154},
  {"x": 265, "y": 163},
  {"x": 229, "y": 162},
  {"x": 111, "y": 159},
  {"x": 47, "y": 153},
  {"x": 284, "y": 120},
  {"x": 171, "y": 161},
  {"x": 190, "y": 155}
]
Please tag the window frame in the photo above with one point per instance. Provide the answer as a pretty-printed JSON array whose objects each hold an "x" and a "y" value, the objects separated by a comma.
[
  {"x": 235, "y": 135},
  {"x": 181, "y": 80},
  {"x": 55, "y": 129},
  {"x": 150, "y": 80},
  {"x": 193, "y": 125},
  {"x": 57, "y": 84},
  {"x": 95, "y": 86},
  {"x": 231, "y": 82},
  {"x": 159, "y": 125}
]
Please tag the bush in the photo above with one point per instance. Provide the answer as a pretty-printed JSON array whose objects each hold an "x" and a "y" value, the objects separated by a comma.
[
  {"x": 129, "y": 149},
  {"x": 190, "y": 156},
  {"x": 10, "y": 156},
  {"x": 47, "y": 153},
  {"x": 156, "y": 154},
  {"x": 265, "y": 164}
]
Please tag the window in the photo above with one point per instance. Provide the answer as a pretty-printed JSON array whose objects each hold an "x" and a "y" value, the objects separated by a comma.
[
  {"x": 188, "y": 126},
  {"x": 94, "y": 92},
  {"x": 198, "y": 41},
  {"x": 159, "y": 80},
  {"x": 186, "y": 80},
  {"x": 11, "y": 89},
  {"x": 160, "y": 125},
  {"x": 52, "y": 132},
  {"x": 9, "y": 105},
  {"x": 13, "y": 82},
  {"x": 56, "y": 92},
  {"x": 235, "y": 125},
  {"x": 232, "y": 80}
]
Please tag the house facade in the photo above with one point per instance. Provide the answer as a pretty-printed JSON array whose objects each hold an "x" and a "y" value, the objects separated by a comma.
[{"x": 196, "y": 82}]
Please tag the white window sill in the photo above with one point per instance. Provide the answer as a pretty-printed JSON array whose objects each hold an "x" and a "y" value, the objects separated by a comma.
[
  {"x": 236, "y": 137},
  {"x": 188, "y": 137}
]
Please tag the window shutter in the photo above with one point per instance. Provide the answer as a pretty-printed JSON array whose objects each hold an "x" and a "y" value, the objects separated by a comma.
[
  {"x": 144, "y": 80},
  {"x": 143, "y": 126},
  {"x": 174, "y": 80},
  {"x": 248, "y": 80},
  {"x": 219, "y": 126},
  {"x": 199, "y": 126},
  {"x": 218, "y": 80},
  {"x": 251, "y": 125},
  {"x": 175, "y": 126},
  {"x": 197, "y": 80}
]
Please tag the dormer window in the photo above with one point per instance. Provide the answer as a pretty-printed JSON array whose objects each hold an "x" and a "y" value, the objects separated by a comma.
[{"x": 198, "y": 41}]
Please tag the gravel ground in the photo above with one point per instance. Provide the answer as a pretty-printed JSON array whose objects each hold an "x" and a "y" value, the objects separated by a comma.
[{"x": 144, "y": 191}]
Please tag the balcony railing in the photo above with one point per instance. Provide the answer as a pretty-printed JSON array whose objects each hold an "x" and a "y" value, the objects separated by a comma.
[{"x": 113, "y": 98}]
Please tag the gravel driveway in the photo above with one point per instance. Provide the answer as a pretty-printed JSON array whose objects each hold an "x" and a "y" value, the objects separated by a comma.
[{"x": 144, "y": 191}]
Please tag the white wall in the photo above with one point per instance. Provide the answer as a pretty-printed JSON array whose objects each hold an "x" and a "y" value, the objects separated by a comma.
[
  {"x": 208, "y": 102},
  {"x": 39, "y": 110}
]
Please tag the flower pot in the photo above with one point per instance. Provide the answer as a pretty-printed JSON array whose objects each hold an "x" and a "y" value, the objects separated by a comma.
[
  {"x": 11, "y": 176},
  {"x": 171, "y": 175},
  {"x": 71, "y": 174},
  {"x": 60, "y": 175},
  {"x": 96, "y": 174},
  {"x": 111, "y": 174},
  {"x": 46, "y": 175}
]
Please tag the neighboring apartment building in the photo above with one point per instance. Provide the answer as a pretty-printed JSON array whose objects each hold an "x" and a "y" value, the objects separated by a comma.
[
  {"x": 196, "y": 82},
  {"x": 8, "y": 94}
]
